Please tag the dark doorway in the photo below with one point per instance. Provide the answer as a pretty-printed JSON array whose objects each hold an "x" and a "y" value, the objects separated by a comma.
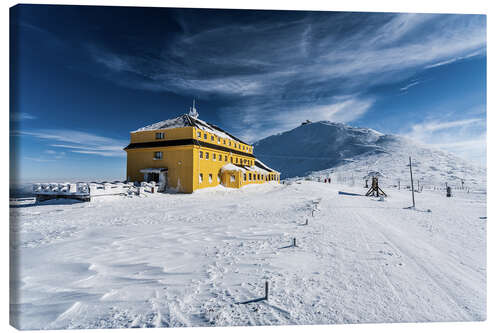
[{"x": 153, "y": 177}]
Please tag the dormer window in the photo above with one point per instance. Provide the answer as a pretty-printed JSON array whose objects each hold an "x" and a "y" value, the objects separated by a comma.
[
  {"x": 158, "y": 155},
  {"x": 160, "y": 135}
]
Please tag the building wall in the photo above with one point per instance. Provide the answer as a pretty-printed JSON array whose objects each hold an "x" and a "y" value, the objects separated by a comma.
[
  {"x": 169, "y": 134},
  {"x": 212, "y": 166},
  {"x": 185, "y": 164},
  {"x": 232, "y": 179},
  {"x": 204, "y": 136},
  {"x": 178, "y": 160}
]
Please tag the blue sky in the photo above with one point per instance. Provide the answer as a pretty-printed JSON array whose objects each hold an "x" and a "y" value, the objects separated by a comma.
[{"x": 83, "y": 77}]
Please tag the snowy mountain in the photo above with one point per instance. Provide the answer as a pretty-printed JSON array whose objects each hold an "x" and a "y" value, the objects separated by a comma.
[{"x": 323, "y": 148}]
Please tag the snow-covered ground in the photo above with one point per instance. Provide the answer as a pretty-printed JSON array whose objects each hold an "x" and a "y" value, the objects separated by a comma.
[{"x": 188, "y": 260}]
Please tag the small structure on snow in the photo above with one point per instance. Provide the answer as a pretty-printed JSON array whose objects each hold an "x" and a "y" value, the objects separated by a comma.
[{"x": 374, "y": 190}]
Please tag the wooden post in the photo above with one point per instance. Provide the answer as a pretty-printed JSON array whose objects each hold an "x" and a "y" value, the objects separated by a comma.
[
  {"x": 399, "y": 184},
  {"x": 294, "y": 242},
  {"x": 307, "y": 222},
  {"x": 266, "y": 289},
  {"x": 412, "y": 191}
]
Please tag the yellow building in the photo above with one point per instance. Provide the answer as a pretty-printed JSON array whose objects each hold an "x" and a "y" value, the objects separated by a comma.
[{"x": 187, "y": 153}]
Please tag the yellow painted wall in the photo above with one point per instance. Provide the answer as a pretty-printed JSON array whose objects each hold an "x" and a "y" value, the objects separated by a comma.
[
  {"x": 178, "y": 160},
  {"x": 204, "y": 136},
  {"x": 226, "y": 179},
  {"x": 170, "y": 134},
  {"x": 184, "y": 163},
  {"x": 211, "y": 166}
]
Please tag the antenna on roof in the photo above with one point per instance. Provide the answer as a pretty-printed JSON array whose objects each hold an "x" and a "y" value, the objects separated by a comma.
[{"x": 192, "y": 111}]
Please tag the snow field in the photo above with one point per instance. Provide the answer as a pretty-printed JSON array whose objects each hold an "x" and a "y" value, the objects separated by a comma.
[{"x": 188, "y": 260}]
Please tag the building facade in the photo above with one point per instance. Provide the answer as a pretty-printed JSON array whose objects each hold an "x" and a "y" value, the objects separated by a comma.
[{"x": 186, "y": 154}]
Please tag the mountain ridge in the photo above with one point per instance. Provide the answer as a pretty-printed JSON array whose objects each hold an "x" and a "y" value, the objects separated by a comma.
[{"x": 323, "y": 147}]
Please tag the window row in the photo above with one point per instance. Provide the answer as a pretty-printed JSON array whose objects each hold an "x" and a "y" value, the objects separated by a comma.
[
  {"x": 249, "y": 176},
  {"x": 210, "y": 178},
  {"x": 253, "y": 177},
  {"x": 227, "y": 142},
  {"x": 225, "y": 158}
]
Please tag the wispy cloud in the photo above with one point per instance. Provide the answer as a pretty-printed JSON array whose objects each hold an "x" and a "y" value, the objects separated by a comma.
[
  {"x": 77, "y": 142},
  {"x": 341, "y": 109},
  {"x": 464, "y": 137},
  {"x": 40, "y": 160},
  {"x": 278, "y": 65},
  {"x": 455, "y": 59},
  {"x": 409, "y": 85},
  {"x": 19, "y": 116}
]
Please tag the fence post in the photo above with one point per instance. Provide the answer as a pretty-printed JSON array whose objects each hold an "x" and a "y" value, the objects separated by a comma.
[{"x": 412, "y": 191}]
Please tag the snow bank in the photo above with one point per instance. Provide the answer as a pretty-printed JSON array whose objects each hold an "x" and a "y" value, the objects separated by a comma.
[{"x": 189, "y": 260}]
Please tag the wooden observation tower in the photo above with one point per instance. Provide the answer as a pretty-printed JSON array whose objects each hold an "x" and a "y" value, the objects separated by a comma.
[{"x": 375, "y": 190}]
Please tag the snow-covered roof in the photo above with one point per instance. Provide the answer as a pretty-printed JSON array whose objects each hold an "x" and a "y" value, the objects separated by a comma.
[
  {"x": 260, "y": 164},
  {"x": 243, "y": 168},
  {"x": 153, "y": 170},
  {"x": 231, "y": 167},
  {"x": 188, "y": 121}
]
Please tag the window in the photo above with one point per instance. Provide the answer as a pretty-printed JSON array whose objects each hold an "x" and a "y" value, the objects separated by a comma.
[
  {"x": 212, "y": 138},
  {"x": 218, "y": 178},
  {"x": 201, "y": 154},
  {"x": 160, "y": 135},
  {"x": 233, "y": 179},
  {"x": 205, "y": 136},
  {"x": 254, "y": 176},
  {"x": 215, "y": 157},
  {"x": 218, "y": 140},
  {"x": 199, "y": 134},
  {"x": 158, "y": 155},
  {"x": 210, "y": 178},
  {"x": 239, "y": 146},
  {"x": 207, "y": 156},
  {"x": 225, "y": 158},
  {"x": 231, "y": 160},
  {"x": 220, "y": 157},
  {"x": 224, "y": 141},
  {"x": 244, "y": 177},
  {"x": 201, "y": 178}
]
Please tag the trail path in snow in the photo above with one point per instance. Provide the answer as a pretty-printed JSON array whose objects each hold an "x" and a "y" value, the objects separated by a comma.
[{"x": 189, "y": 260}]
